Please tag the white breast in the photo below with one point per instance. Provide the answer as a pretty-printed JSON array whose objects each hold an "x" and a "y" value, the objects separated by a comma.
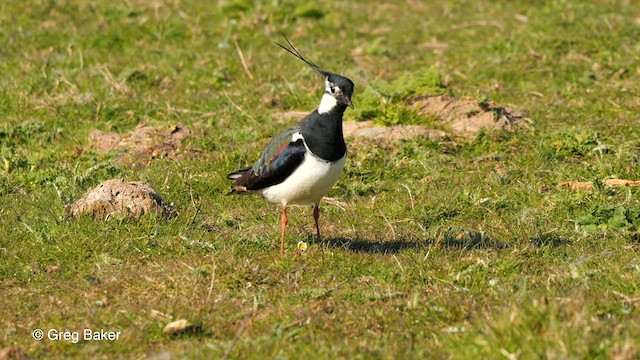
[{"x": 308, "y": 183}]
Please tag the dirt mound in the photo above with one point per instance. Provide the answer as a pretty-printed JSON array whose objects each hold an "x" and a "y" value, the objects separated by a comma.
[
  {"x": 118, "y": 198},
  {"x": 466, "y": 116},
  {"x": 144, "y": 143},
  {"x": 368, "y": 129}
]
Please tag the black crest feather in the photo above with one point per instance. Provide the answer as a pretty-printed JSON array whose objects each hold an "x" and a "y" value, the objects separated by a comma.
[{"x": 297, "y": 54}]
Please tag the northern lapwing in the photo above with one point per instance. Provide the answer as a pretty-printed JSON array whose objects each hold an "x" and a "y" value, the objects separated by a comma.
[{"x": 302, "y": 163}]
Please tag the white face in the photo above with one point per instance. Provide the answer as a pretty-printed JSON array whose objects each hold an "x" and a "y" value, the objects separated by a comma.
[
  {"x": 331, "y": 88},
  {"x": 329, "y": 101}
]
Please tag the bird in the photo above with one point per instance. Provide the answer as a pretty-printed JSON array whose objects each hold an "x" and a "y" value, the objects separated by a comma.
[{"x": 303, "y": 162}]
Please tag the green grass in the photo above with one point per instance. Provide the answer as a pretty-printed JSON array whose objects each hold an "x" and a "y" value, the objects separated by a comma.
[{"x": 437, "y": 254}]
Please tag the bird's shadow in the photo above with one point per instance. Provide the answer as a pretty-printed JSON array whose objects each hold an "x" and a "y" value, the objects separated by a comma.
[
  {"x": 358, "y": 245},
  {"x": 470, "y": 241}
]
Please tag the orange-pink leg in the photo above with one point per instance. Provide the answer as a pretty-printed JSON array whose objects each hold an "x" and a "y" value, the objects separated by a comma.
[
  {"x": 316, "y": 216},
  {"x": 283, "y": 223}
]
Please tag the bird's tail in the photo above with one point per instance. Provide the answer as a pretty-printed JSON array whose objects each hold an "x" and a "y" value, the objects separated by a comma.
[
  {"x": 237, "y": 174},
  {"x": 236, "y": 189}
]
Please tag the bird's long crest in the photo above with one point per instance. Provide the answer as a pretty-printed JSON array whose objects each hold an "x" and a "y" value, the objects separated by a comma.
[{"x": 297, "y": 54}]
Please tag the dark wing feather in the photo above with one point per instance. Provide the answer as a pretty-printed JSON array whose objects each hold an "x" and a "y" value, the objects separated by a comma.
[{"x": 278, "y": 160}]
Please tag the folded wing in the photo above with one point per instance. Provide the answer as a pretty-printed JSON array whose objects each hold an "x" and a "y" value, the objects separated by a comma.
[{"x": 279, "y": 159}]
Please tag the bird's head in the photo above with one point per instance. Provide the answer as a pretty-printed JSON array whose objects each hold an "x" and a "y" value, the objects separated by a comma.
[{"x": 338, "y": 89}]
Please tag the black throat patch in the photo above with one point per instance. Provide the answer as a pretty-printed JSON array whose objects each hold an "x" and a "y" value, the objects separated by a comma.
[{"x": 323, "y": 134}]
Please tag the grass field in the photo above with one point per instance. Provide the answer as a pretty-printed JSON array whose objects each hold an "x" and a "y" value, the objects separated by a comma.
[{"x": 437, "y": 252}]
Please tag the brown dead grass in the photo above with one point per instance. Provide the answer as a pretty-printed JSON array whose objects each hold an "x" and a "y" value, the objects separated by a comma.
[{"x": 588, "y": 185}]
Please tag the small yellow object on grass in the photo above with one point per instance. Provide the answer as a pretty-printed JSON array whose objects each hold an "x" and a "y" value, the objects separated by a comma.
[{"x": 302, "y": 246}]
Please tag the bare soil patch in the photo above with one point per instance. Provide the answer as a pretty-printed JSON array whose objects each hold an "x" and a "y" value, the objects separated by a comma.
[
  {"x": 368, "y": 129},
  {"x": 144, "y": 143},
  {"x": 462, "y": 118},
  {"x": 466, "y": 117}
]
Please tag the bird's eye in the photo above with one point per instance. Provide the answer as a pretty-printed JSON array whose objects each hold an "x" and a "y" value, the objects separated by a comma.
[{"x": 333, "y": 89}]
